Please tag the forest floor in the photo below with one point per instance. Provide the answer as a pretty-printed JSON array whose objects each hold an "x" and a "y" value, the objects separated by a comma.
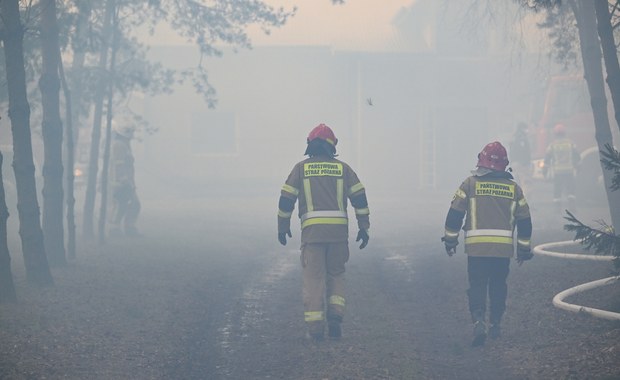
[{"x": 208, "y": 293}]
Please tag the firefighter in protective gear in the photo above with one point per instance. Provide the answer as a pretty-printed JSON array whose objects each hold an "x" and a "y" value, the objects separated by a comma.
[
  {"x": 323, "y": 185},
  {"x": 520, "y": 155},
  {"x": 563, "y": 158},
  {"x": 125, "y": 202},
  {"x": 493, "y": 205}
]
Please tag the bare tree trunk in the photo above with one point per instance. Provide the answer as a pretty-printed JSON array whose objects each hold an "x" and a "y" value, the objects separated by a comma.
[
  {"x": 37, "y": 267},
  {"x": 108, "y": 134},
  {"x": 93, "y": 163},
  {"x": 49, "y": 85},
  {"x": 7, "y": 287},
  {"x": 608, "y": 44},
  {"x": 69, "y": 162},
  {"x": 77, "y": 66},
  {"x": 593, "y": 71},
  {"x": 72, "y": 130}
]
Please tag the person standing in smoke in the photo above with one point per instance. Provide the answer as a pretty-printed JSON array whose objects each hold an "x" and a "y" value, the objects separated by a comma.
[
  {"x": 494, "y": 205},
  {"x": 563, "y": 159},
  {"x": 324, "y": 186},
  {"x": 125, "y": 202},
  {"x": 521, "y": 156}
]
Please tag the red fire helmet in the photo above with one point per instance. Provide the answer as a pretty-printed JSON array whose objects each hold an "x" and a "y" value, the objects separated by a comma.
[
  {"x": 323, "y": 132},
  {"x": 493, "y": 156},
  {"x": 559, "y": 129}
]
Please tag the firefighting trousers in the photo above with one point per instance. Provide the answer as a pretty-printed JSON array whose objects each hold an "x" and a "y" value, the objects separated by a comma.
[
  {"x": 487, "y": 276},
  {"x": 323, "y": 267},
  {"x": 126, "y": 208},
  {"x": 563, "y": 182}
]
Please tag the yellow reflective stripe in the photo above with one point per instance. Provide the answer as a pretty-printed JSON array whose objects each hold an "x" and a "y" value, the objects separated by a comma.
[
  {"x": 522, "y": 202},
  {"x": 324, "y": 214},
  {"x": 460, "y": 193},
  {"x": 336, "y": 300},
  {"x": 284, "y": 214},
  {"x": 488, "y": 239},
  {"x": 313, "y": 316},
  {"x": 488, "y": 232},
  {"x": 340, "y": 193},
  {"x": 513, "y": 207},
  {"x": 523, "y": 242},
  {"x": 450, "y": 233},
  {"x": 308, "y": 193},
  {"x": 313, "y": 221},
  {"x": 473, "y": 214},
  {"x": 355, "y": 188},
  {"x": 290, "y": 189},
  {"x": 362, "y": 211}
]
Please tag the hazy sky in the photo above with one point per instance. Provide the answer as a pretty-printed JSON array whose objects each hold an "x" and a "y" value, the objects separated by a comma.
[{"x": 358, "y": 24}]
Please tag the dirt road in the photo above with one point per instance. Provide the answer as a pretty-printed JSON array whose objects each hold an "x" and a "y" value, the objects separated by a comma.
[{"x": 208, "y": 293}]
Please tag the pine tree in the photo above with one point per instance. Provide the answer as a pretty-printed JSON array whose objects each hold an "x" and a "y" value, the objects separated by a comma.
[{"x": 602, "y": 240}]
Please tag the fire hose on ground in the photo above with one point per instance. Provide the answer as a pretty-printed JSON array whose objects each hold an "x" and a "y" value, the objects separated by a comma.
[{"x": 558, "y": 300}]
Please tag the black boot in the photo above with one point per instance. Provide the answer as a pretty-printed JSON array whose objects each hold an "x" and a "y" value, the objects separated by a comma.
[
  {"x": 315, "y": 331},
  {"x": 495, "y": 331},
  {"x": 480, "y": 329},
  {"x": 334, "y": 330},
  {"x": 480, "y": 334}
]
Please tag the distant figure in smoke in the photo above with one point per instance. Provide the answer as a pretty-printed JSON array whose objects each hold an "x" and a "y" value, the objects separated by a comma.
[
  {"x": 125, "y": 202},
  {"x": 563, "y": 158},
  {"x": 493, "y": 204},
  {"x": 521, "y": 156},
  {"x": 323, "y": 185}
]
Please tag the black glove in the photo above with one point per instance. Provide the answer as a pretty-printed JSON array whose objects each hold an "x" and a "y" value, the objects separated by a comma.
[
  {"x": 450, "y": 245},
  {"x": 282, "y": 236},
  {"x": 524, "y": 254},
  {"x": 363, "y": 236}
]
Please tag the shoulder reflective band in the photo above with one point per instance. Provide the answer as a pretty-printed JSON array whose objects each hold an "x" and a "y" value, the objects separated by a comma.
[
  {"x": 290, "y": 189},
  {"x": 460, "y": 194},
  {"x": 522, "y": 202},
  {"x": 495, "y": 189},
  {"x": 323, "y": 217},
  {"x": 488, "y": 236},
  {"x": 355, "y": 188},
  {"x": 322, "y": 169},
  {"x": 313, "y": 316}
]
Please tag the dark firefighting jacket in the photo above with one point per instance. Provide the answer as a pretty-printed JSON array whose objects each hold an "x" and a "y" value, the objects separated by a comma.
[
  {"x": 494, "y": 206},
  {"x": 323, "y": 185},
  {"x": 562, "y": 156},
  {"x": 122, "y": 164}
]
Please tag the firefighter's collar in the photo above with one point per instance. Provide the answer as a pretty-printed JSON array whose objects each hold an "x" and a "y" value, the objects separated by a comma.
[{"x": 479, "y": 172}]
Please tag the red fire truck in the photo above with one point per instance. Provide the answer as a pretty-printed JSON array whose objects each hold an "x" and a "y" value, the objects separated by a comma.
[{"x": 567, "y": 101}]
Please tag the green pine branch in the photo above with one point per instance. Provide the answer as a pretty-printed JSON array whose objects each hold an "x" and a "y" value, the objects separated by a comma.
[
  {"x": 602, "y": 241},
  {"x": 611, "y": 160}
]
